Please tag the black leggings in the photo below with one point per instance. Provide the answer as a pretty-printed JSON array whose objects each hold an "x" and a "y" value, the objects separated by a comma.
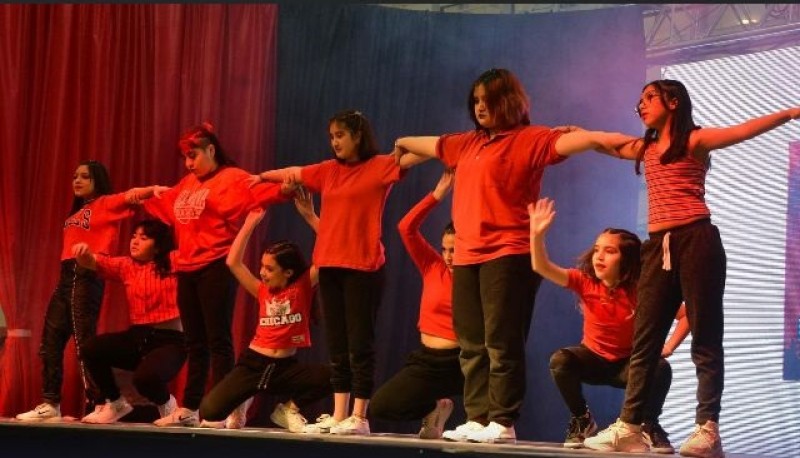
[
  {"x": 254, "y": 372},
  {"x": 154, "y": 355},
  {"x": 72, "y": 311}
]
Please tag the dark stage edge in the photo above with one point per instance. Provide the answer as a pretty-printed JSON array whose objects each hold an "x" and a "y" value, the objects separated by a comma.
[{"x": 74, "y": 439}]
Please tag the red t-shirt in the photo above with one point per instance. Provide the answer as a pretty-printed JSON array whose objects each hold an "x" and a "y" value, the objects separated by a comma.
[
  {"x": 283, "y": 315},
  {"x": 351, "y": 211},
  {"x": 436, "y": 303},
  {"x": 607, "y": 316},
  {"x": 207, "y": 214},
  {"x": 151, "y": 298},
  {"x": 495, "y": 181},
  {"x": 96, "y": 224}
]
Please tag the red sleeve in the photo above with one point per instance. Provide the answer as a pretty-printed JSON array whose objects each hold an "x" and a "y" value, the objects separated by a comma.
[
  {"x": 541, "y": 146},
  {"x": 110, "y": 267},
  {"x": 162, "y": 207},
  {"x": 313, "y": 176},
  {"x": 450, "y": 146},
  {"x": 576, "y": 280},
  {"x": 421, "y": 252},
  {"x": 116, "y": 207},
  {"x": 266, "y": 194}
]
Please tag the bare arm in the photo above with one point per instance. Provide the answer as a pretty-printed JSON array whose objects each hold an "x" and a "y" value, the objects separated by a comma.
[
  {"x": 578, "y": 141},
  {"x": 423, "y": 147},
  {"x": 703, "y": 141},
  {"x": 84, "y": 256},
  {"x": 541, "y": 217},
  {"x": 678, "y": 335},
  {"x": 304, "y": 203},
  {"x": 236, "y": 255},
  {"x": 137, "y": 195},
  {"x": 286, "y": 175}
]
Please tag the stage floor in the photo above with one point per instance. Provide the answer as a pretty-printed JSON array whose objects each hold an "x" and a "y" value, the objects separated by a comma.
[{"x": 72, "y": 438}]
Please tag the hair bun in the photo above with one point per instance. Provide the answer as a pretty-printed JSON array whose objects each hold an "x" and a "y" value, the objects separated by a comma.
[{"x": 208, "y": 126}]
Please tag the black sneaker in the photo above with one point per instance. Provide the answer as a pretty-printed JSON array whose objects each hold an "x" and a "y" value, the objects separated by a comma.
[
  {"x": 579, "y": 429},
  {"x": 657, "y": 438}
]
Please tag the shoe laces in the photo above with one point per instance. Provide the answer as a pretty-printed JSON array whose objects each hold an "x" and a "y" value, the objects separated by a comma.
[{"x": 709, "y": 435}]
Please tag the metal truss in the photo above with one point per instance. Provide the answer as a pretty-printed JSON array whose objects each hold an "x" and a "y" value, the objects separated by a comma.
[{"x": 676, "y": 33}]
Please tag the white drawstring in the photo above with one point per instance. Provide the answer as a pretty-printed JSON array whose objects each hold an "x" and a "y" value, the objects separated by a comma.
[{"x": 666, "y": 262}]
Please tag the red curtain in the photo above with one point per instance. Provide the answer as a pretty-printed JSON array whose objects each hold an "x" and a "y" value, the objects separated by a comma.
[{"x": 116, "y": 83}]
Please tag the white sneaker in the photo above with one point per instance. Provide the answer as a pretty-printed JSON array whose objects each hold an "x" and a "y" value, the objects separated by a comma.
[
  {"x": 619, "y": 437},
  {"x": 110, "y": 412},
  {"x": 352, "y": 425},
  {"x": 494, "y": 433},
  {"x": 213, "y": 424},
  {"x": 461, "y": 432},
  {"x": 323, "y": 425},
  {"x": 704, "y": 442},
  {"x": 97, "y": 409},
  {"x": 288, "y": 418},
  {"x": 238, "y": 418},
  {"x": 168, "y": 407},
  {"x": 433, "y": 423},
  {"x": 43, "y": 412},
  {"x": 180, "y": 417}
]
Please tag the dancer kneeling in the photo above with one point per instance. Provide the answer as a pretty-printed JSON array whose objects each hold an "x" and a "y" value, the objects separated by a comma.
[
  {"x": 605, "y": 282},
  {"x": 284, "y": 294},
  {"x": 153, "y": 347}
]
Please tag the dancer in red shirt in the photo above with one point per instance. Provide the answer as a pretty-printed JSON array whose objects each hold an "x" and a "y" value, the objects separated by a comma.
[
  {"x": 498, "y": 168},
  {"x": 353, "y": 188},
  {"x": 432, "y": 375},
  {"x": 206, "y": 209},
  {"x": 153, "y": 347},
  {"x": 284, "y": 292},
  {"x": 605, "y": 282},
  {"x": 74, "y": 307},
  {"x": 683, "y": 259}
]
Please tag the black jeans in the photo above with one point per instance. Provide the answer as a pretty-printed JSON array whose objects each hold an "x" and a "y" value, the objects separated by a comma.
[
  {"x": 350, "y": 300},
  {"x": 206, "y": 298},
  {"x": 572, "y": 366},
  {"x": 698, "y": 278},
  {"x": 72, "y": 311},
  {"x": 428, "y": 375},
  {"x": 154, "y": 355},
  {"x": 492, "y": 310},
  {"x": 254, "y": 372}
]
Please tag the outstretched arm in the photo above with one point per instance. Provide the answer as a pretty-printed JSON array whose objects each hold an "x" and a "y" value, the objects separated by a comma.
[
  {"x": 421, "y": 149},
  {"x": 705, "y": 140},
  {"x": 579, "y": 140},
  {"x": 236, "y": 255},
  {"x": 84, "y": 256},
  {"x": 678, "y": 335},
  {"x": 287, "y": 175},
  {"x": 139, "y": 195},
  {"x": 541, "y": 217}
]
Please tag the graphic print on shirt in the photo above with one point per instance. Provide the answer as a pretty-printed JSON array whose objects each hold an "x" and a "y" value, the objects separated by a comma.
[
  {"x": 279, "y": 312},
  {"x": 190, "y": 204},
  {"x": 81, "y": 219}
]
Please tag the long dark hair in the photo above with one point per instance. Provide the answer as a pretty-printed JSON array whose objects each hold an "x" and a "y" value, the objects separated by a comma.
[
  {"x": 358, "y": 125},
  {"x": 630, "y": 260},
  {"x": 163, "y": 242},
  {"x": 681, "y": 126},
  {"x": 505, "y": 97},
  {"x": 288, "y": 255},
  {"x": 100, "y": 178},
  {"x": 201, "y": 136}
]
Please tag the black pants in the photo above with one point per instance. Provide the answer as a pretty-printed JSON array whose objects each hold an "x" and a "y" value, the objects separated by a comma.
[
  {"x": 428, "y": 375},
  {"x": 492, "y": 311},
  {"x": 254, "y": 372},
  {"x": 72, "y": 311},
  {"x": 350, "y": 300},
  {"x": 154, "y": 355},
  {"x": 698, "y": 278},
  {"x": 572, "y": 366},
  {"x": 206, "y": 298}
]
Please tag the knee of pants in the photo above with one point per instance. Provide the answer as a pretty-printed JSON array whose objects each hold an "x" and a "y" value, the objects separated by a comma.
[
  {"x": 664, "y": 370},
  {"x": 561, "y": 361}
]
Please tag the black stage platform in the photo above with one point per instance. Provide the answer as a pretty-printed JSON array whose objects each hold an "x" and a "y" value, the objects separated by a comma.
[{"x": 128, "y": 440}]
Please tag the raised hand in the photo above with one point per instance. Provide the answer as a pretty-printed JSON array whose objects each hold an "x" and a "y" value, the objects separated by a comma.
[
  {"x": 541, "y": 214},
  {"x": 303, "y": 201},
  {"x": 444, "y": 185}
]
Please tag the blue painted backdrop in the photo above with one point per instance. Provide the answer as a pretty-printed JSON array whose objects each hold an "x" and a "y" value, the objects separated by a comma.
[{"x": 409, "y": 72}]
